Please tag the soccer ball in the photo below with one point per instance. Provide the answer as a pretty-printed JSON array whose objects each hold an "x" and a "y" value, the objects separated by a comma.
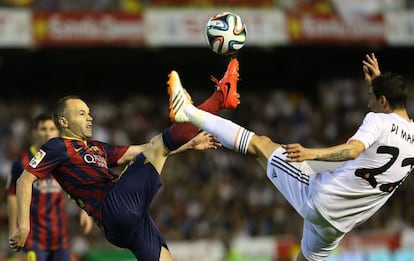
[{"x": 225, "y": 33}]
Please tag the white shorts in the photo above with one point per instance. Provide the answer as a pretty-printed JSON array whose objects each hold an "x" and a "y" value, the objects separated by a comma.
[{"x": 319, "y": 238}]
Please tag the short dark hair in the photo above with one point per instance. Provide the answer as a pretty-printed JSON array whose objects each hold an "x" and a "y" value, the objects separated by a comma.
[
  {"x": 41, "y": 118},
  {"x": 393, "y": 87},
  {"x": 60, "y": 109}
]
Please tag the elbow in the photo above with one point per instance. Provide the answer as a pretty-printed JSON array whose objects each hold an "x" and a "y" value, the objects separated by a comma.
[
  {"x": 354, "y": 154},
  {"x": 355, "y": 148},
  {"x": 352, "y": 157}
]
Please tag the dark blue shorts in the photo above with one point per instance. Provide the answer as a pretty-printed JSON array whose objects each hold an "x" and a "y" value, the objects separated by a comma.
[
  {"x": 125, "y": 211},
  {"x": 47, "y": 255}
]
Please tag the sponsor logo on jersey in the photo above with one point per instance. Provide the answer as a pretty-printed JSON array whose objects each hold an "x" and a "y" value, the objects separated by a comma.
[
  {"x": 95, "y": 159},
  {"x": 34, "y": 162}
]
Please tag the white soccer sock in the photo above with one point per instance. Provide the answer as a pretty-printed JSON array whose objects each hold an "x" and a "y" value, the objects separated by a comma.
[{"x": 230, "y": 134}]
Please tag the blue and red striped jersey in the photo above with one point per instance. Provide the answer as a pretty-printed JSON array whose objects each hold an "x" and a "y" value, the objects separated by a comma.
[
  {"x": 47, "y": 210},
  {"x": 81, "y": 168}
]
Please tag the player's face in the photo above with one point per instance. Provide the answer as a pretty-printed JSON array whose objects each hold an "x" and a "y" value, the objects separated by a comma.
[
  {"x": 45, "y": 130},
  {"x": 78, "y": 118}
]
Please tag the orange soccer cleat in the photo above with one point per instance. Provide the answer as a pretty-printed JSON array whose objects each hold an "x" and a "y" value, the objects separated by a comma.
[{"x": 228, "y": 85}]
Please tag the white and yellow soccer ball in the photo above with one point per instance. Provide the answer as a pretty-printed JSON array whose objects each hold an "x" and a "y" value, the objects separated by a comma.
[{"x": 225, "y": 33}]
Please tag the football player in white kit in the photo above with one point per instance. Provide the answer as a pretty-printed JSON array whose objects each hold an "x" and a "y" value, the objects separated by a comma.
[{"x": 374, "y": 161}]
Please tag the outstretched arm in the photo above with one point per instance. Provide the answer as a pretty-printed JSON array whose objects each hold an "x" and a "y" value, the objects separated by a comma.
[
  {"x": 202, "y": 141},
  {"x": 131, "y": 153},
  {"x": 23, "y": 200},
  {"x": 371, "y": 68},
  {"x": 346, "y": 151},
  {"x": 342, "y": 152}
]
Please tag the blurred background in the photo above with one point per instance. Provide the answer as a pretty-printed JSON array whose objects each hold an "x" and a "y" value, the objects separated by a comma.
[{"x": 301, "y": 81}]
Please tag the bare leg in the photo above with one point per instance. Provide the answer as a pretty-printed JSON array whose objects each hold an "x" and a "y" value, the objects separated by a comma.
[
  {"x": 261, "y": 147},
  {"x": 156, "y": 153},
  {"x": 165, "y": 255}
]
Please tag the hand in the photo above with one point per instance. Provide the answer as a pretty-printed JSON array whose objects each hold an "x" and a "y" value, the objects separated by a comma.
[
  {"x": 18, "y": 239},
  {"x": 371, "y": 68},
  {"x": 204, "y": 141},
  {"x": 86, "y": 222},
  {"x": 297, "y": 153}
]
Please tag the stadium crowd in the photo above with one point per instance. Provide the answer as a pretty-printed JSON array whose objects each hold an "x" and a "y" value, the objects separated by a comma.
[{"x": 213, "y": 194}]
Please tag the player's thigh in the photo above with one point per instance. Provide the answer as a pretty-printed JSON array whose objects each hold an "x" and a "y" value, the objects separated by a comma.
[
  {"x": 289, "y": 180},
  {"x": 319, "y": 240},
  {"x": 165, "y": 255},
  {"x": 146, "y": 241}
]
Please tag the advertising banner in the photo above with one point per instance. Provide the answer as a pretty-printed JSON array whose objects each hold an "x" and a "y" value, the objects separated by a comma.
[
  {"x": 15, "y": 28},
  {"x": 159, "y": 27},
  {"x": 400, "y": 28},
  {"x": 186, "y": 27},
  {"x": 320, "y": 29},
  {"x": 87, "y": 28}
]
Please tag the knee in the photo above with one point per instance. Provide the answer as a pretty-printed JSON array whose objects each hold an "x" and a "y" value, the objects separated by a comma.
[
  {"x": 262, "y": 147},
  {"x": 156, "y": 153},
  {"x": 262, "y": 141},
  {"x": 157, "y": 148},
  {"x": 258, "y": 143}
]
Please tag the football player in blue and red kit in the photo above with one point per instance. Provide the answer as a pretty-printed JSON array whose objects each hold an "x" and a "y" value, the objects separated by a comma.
[
  {"x": 48, "y": 239},
  {"x": 119, "y": 204}
]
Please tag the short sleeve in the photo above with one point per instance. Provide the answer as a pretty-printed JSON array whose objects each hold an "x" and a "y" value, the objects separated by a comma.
[
  {"x": 50, "y": 155},
  {"x": 369, "y": 131}
]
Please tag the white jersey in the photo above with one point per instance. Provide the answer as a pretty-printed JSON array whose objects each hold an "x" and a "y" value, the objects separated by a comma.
[{"x": 353, "y": 192}]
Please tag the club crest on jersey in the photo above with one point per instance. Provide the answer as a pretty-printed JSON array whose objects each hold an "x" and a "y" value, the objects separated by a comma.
[
  {"x": 37, "y": 158},
  {"x": 95, "y": 148}
]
